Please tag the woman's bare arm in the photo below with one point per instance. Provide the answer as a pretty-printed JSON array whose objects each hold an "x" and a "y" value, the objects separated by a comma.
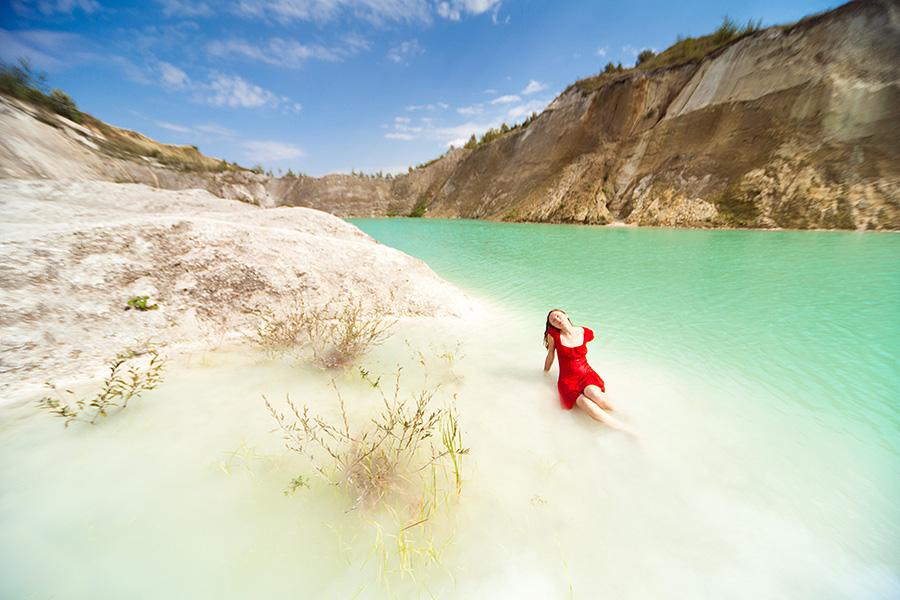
[{"x": 548, "y": 362}]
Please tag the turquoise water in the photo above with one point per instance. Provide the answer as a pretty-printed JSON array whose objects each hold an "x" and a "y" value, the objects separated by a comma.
[
  {"x": 759, "y": 368},
  {"x": 788, "y": 339}
]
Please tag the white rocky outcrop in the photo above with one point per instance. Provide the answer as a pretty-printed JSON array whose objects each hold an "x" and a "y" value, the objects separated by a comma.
[{"x": 73, "y": 253}]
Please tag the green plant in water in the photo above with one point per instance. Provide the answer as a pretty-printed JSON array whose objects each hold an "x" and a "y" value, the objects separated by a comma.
[
  {"x": 121, "y": 385},
  {"x": 140, "y": 303},
  {"x": 296, "y": 482}
]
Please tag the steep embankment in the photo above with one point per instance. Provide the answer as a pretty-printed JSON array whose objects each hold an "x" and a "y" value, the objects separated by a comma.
[
  {"x": 795, "y": 126},
  {"x": 788, "y": 127}
]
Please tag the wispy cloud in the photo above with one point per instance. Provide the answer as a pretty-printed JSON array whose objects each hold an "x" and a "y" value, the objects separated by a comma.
[
  {"x": 405, "y": 51},
  {"x": 534, "y": 87},
  {"x": 434, "y": 106},
  {"x": 217, "y": 130},
  {"x": 236, "y": 92},
  {"x": 506, "y": 99},
  {"x": 181, "y": 8},
  {"x": 322, "y": 11},
  {"x": 49, "y": 8},
  {"x": 174, "y": 127},
  {"x": 271, "y": 151},
  {"x": 455, "y": 9},
  {"x": 278, "y": 51},
  {"x": 602, "y": 51},
  {"x": 379, "y": 12},
  {"x": 173, "y": 77},
  {"x": 46, "y": 49}
]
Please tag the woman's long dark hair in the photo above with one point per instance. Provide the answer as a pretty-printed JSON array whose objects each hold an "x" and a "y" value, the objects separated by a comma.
[{"x": 548, "y": 325}]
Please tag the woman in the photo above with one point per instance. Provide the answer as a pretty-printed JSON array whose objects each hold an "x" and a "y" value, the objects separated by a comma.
[{"x": 578, "y": 383}]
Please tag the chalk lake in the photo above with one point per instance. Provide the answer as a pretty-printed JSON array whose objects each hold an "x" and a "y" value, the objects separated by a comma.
[{"x": 761, "y": 369}]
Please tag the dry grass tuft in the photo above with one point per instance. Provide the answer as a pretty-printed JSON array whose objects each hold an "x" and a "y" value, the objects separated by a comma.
[
  {"x": 405, "y": 463},
  {"x": 331, "y": 336}
]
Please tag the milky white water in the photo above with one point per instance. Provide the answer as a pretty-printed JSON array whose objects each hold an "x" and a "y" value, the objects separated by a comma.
[{"x": 760, "y": 368}]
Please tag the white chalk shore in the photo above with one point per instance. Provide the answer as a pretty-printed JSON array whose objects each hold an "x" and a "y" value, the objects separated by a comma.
[{"x": 73, "y": 253}]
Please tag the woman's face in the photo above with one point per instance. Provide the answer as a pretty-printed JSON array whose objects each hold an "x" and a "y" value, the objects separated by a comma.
[{"x": 557, "y": 318}]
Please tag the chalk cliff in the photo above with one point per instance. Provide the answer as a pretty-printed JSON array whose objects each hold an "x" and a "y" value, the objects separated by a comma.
[{"x": 792, "y": 126}]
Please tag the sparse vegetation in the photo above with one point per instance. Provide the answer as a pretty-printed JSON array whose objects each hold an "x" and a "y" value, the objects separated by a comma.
[
  {"x": 330, "y": 336},
  {"x": 121, "y": 385},
  {"x": 19, "y": 81},
  {"x": 645, "y": 55},
  {"x": 419, "y": 210},
  {"x": 140, "y": 303},
  {"x": 683, "y": 51}
]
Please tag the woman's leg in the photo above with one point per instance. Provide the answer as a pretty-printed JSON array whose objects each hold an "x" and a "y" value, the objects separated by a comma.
[
  {"x": 594, "y": 393},
  {"x": 598, "y": 414}
]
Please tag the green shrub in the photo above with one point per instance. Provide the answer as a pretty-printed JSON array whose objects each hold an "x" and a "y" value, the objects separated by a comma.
[
  {"x": 644, "y": 56},
  {"x": 140, "y": 303},
  {"x": 21, "y": 82},
  {"x": 419, "y": 210}
]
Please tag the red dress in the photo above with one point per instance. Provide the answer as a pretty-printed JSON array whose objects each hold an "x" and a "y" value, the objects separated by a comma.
[{"x": 575, "y": 373}]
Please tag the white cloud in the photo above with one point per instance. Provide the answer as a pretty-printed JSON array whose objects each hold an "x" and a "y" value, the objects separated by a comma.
[
  {"x": 173, "y": 77},
  {"x": 405, "y": 51},
  {"x": 402, "y": 119},
  {"x": 268, "y": 151},
  {"x": 517, "y": 112},
  {"x": 236, "y": 92},
  {"x": 505, "y": 99},
  {"x": 475, "y": 109},
  {"x": 399, "y": 136},
  {"x": 629, "y": 49},
  {"x": 534, "y": 87},
  {"x": 454, "y": 9}
]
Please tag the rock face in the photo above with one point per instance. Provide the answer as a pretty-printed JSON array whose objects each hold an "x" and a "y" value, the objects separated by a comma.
[
  {"x": 795, "y": 127},
  {"x": 73, "y": 253},
  {"x": 788, "y": 127}
]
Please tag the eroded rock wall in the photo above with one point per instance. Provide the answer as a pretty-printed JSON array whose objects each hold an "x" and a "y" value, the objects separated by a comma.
[{"x": 788, "y": 127}]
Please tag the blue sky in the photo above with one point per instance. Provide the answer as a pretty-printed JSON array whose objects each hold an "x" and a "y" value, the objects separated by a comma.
[{"x": 326, "y": 86}]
